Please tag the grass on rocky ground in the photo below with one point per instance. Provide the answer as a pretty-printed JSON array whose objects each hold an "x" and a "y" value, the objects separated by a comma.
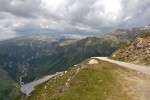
[{"x": 94, "y": 82}]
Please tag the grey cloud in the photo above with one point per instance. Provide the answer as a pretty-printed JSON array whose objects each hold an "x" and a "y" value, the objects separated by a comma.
[
  {"x": 138, "y": 10},
  {"x": 21, "y": 8},
  {"x": 72, "y": 17}
]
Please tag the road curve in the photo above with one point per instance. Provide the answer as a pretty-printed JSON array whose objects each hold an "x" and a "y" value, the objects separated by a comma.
[{"x": 140, "y": 68}]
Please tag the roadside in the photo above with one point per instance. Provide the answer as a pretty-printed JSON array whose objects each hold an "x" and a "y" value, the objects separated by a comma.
[{"x": 135, "y": 83}]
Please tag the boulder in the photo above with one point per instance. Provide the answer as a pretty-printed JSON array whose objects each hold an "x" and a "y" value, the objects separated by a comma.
[{"x": 93, "y": 61}]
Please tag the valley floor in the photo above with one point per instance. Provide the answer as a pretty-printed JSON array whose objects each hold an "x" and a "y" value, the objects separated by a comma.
[{"x": 99, "y": 80}]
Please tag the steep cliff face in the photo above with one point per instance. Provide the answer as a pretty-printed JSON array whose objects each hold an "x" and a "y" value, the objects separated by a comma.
[{"x": 136, "y": 51}]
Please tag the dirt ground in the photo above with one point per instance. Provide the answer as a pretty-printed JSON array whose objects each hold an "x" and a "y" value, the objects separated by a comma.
[{"x": 136, "y": 84}]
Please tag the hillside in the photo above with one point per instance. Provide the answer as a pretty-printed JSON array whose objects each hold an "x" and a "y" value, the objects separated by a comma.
[
  {"x": 135, "y": 51},
  {"x": 93, "y": 79},
  {"x": 40, "y": 55},
  {"x": 68, "y": 55},
  {"x": 9, "y": 89},
  {"x": 65, "y": 53},
  {"x": 127, "y": 34},
  {"x": 37, "y": 57}
]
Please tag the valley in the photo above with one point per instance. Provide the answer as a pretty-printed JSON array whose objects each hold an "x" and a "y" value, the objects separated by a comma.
[
  {"x": 74, "y": 49},
  {"x": 26, "y": 60}
]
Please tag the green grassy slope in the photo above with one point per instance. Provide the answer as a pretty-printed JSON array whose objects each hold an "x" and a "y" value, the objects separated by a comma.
[
  {"x": 9, "y": 90},
  {"x": 94, "y": 82}
]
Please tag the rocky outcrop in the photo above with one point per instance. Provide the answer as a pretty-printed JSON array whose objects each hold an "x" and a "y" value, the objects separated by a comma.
[
  {"x": 93, "y": 61},
  {"x": 137, "y": 51}
]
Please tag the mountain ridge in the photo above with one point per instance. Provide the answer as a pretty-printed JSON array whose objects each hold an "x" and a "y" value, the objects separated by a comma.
[{"x": 41, "y": 55}]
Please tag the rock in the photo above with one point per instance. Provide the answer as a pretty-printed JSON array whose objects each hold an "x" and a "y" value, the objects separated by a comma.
[
  {"x": 61, "y": 74},
  {"x": 93, "y": 61},
  {"x": 60, "y": 89},
  {"x": 67, "y": 84},
  {"x": 68, "y": 80},
  {"x": 147, "y": 52},
  {"x": 56, "y": 80},
  {"x": 148, "y": 44},
  {"x": 138, "y": 72},
  {"x": 45, "y": 87},
  {"x": 65, "y": 72},
  {"x": 139, "y": 44},
  {"x": 78, "y": 69},
  {"x": 114, "y": 55}
]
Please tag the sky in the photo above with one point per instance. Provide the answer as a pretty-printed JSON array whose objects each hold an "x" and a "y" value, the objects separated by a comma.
[{"x": 73, "y": 18}]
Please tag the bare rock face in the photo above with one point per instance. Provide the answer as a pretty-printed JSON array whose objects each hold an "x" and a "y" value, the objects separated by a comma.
[
  {"x": 139, "y": 44},
  {"x": 137, "y": 51},
  {"x": 93, "y": 61},
  {"x": 148, "y": 44},
  {"x": 147, "y": 51}
]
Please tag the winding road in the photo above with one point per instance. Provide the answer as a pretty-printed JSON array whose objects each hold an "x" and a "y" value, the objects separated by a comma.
[{"x": 140, "y": 68}]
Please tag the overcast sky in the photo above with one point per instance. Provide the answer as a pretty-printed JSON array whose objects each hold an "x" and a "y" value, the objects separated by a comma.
[{"x": 76, "y": 18}]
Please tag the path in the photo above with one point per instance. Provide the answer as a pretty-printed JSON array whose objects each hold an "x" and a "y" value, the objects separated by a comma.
[
  {"x": 135, "y": 84},
  {"x": 140, "y": 68}
]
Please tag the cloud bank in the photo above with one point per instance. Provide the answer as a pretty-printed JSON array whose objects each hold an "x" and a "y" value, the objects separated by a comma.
[{"x": 70, "y": 17}]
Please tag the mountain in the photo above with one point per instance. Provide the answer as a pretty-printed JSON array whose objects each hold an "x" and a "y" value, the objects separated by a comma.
[
  {"x": 128, "y": 34},
  {"x": 17, "y": 52},
  {"x": 14, "y": 54},
  {"x": 60, "y": 58},
  {"x": 60, "y": 55},
  {"x": 135, "y": 51},
  {"x": 40, "y": 55}
]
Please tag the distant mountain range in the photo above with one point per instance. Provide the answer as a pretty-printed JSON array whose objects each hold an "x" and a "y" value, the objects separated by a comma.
[{"x": 40, "y": 55}]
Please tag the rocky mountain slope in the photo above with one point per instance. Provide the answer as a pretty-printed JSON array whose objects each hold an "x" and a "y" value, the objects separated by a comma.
[
  {"x": 135, "y": 51},
  {"x": 127, "y": 34}
]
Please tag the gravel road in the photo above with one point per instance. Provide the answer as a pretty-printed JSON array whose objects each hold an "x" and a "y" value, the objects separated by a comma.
[{"x": 140, "y": 68}]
